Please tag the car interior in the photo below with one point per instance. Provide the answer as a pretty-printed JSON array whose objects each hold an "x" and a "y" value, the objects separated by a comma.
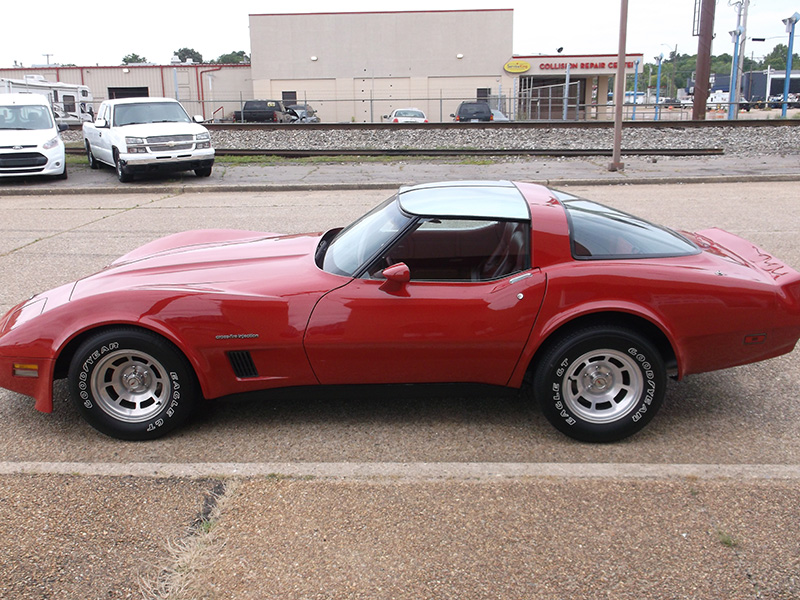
[{"x": 461, "y": 250}]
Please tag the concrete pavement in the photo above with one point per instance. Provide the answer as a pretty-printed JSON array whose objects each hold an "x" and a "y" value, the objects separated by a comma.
[{"x": 603, "y": 529}]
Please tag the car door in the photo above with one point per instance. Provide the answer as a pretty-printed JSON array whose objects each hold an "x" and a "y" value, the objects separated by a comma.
[
  {"x": 101, "y": 144},
  {"x": 452, "y": 323}
]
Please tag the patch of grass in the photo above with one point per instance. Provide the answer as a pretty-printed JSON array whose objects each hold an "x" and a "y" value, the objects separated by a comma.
[
  {"x": 77, "y": 160},
  {"x": 312, "y": 160},
  {"x": 726, "y": 539}
]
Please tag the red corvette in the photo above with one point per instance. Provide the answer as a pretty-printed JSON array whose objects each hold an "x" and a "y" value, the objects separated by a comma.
[{"x": 492, "y": 282}]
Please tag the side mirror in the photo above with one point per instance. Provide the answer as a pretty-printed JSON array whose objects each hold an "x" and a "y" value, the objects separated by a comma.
[
  {"x": 396, "y": 277},
  {"x": 63, "y": 126},
  {"x": 101, "y": 123},
  {"x": 198, "y": 118}
]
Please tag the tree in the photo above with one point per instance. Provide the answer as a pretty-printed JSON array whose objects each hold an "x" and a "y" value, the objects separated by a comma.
[
  {"x": 185, "y": 53},
  {"x": 232, "y": 58},
  {"x": 777, "y": 58},
  {"x": 133, "y": 58}
]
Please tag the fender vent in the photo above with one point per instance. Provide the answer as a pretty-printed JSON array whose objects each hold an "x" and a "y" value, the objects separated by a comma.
[{"x": 243, "y": 365}]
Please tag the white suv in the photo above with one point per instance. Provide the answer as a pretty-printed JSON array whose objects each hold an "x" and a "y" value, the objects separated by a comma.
[{"x": 30, "y": 143}]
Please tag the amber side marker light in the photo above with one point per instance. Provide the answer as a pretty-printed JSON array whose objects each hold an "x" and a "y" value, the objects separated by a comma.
[{"x": 26, "y": 370}]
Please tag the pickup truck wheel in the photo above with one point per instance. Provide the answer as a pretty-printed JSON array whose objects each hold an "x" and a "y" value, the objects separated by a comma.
[
  {"x": 93, "y": 164},
  {"x": 204, "y": 172},
  {"x": 122, "y": 173},
  {"x": 600, "y": 384}
]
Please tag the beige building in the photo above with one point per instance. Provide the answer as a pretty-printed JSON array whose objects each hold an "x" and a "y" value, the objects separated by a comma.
[{"x": 357, "y": 67}]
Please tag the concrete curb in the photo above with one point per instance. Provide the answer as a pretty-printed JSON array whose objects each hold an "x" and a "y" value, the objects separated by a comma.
[
  {"x": 300, "y": 187},
  {"x": 420, "y": 471}
]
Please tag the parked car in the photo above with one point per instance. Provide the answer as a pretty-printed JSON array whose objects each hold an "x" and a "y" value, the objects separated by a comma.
[
  {"x": 498, "y": 115},
  {"x": 304, "y": 113},
  {"x": 145, "y": 135},
  {"x": 263, "y": 111},
  {"x": 670, "y": 103},
  {"x": 406, "y": 115},
  {"x": 481, "y": 282},
  {"x": 30, "y": 143},
  {"x": 473, "y": 111}
]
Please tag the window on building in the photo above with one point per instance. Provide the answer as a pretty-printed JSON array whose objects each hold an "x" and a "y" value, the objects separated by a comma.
[
  {"x": 127, "y": 92},
  {"x": 483, "y": 94},
  {"x": 289, "y": 98}
]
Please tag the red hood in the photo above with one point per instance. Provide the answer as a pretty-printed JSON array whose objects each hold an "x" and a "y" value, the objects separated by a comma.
[{"x": 212, "y": 260}]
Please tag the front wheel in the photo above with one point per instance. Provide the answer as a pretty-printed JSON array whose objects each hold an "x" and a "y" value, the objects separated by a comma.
[
  {"x": 122, "y": 173},
  {"x": 600, "y": 384},
  {"x": 203, "y": 172},
  {"x": 132, "y": 384}
]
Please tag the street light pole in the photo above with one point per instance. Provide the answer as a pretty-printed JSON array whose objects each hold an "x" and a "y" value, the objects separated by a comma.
[
  {"x": 733, "y": 95},
  {"x": 635, "y": 87},
  {"x": 790, "y": 23},
  {"x": 659, "y": 58}
]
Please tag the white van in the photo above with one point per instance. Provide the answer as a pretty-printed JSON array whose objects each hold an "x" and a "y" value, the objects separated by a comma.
[{"x": 30, "y": 143}]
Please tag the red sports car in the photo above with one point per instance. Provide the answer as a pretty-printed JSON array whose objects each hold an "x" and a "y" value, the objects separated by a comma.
[{"x": 501, "y": 283}]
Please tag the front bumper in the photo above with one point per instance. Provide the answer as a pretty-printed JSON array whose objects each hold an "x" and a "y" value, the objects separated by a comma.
[
  {"x": 168, "y": 161},
  {"x": 32, "y": 161}
]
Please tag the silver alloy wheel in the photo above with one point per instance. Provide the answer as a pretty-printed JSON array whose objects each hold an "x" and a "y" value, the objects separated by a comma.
[
  {"x": 602, "y": 386},
  {"x": 130, "y": 386}
]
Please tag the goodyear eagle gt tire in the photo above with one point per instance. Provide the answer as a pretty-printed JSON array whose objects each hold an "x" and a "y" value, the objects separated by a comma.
[
  {"x": 132, "y": 384},
  {"x": 600, "y": 384}
]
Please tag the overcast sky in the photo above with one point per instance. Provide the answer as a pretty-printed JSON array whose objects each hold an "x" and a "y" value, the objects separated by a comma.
[{"x": 107, "y": 31}]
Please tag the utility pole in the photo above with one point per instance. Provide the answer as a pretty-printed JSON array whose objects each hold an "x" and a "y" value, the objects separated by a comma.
[
  {"x": 619, "y": 90},
  {"x": 704, "y": 29},
  {"x": 739, "y": 36}
]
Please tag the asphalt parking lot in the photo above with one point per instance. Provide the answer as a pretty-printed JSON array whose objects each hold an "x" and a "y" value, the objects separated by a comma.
[{"x": 397, "y": 493}]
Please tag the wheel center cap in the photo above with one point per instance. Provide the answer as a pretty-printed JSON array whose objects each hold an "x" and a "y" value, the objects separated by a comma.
[
  {"x": 136, "y": 379},
  {"x": 598, "y": 381}
]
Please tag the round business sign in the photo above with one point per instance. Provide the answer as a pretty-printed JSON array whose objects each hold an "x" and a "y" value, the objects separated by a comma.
[{"x": 517, "y": 66}]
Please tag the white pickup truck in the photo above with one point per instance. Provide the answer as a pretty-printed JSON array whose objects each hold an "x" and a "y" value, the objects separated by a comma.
[{"x": 138, "y": 135}]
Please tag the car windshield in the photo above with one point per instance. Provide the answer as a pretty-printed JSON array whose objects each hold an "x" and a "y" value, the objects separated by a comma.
[
  {"x": 598, "y": 231},
  {"x": 150, "y": 112},
  {"x": 25, "y": 117},
  {"x": 363, "y": 240}
]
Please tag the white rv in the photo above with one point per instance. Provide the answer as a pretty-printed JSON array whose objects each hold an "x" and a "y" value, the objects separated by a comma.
[{"x": 71, "y": 103}]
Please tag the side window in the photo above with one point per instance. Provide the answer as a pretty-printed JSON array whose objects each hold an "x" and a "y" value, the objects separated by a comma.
[
  {"x": 460, "y": 250},
  {"x": 69, "y": 102}
]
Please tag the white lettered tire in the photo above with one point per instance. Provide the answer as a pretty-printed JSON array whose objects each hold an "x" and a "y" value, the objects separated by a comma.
[
  {"x": 600, "y": 384},
  {"x": 132, "y": 384}
]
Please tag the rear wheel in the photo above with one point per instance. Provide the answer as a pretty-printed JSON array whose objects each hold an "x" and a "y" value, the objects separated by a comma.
[
  {"x": 132, "y": 384},
  {"x": 600, "y": 384}
]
